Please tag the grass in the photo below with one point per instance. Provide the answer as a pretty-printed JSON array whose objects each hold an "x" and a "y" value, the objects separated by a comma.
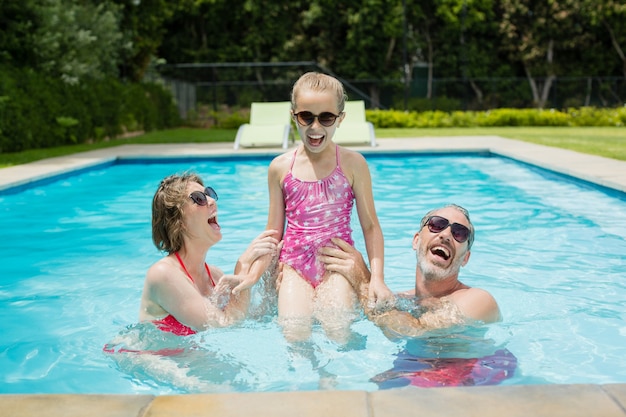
[
  {"x": 609, "y": 142},
  {"x": 181, "y": 135}
]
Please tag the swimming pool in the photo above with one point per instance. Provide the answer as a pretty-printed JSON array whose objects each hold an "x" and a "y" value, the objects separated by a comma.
[{"x": 75, "y": 251}]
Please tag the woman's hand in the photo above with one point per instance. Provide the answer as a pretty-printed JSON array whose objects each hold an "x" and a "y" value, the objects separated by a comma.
[{"x": 261, "y": 252}]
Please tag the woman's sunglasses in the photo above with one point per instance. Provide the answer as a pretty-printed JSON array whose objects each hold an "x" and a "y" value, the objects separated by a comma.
[
  {"x": 199, "y": 197},
  {"x": 437, "y": 224},
  {"x": 306, "y": 118}
]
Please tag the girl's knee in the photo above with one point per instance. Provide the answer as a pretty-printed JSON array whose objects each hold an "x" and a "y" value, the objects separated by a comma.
[{"x": 296, "y": 328}]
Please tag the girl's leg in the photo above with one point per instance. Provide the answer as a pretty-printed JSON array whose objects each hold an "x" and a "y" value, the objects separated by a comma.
[
  {"x": 335, "y": 307},
  {"x": 295, "y": 306}
]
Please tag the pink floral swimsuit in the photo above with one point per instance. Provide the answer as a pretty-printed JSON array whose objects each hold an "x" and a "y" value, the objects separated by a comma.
[{"x": 315, "y": 211}]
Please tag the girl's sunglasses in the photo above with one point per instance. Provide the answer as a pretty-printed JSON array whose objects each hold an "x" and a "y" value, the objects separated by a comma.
[
  {"x": 306, "y": 118},
  {"x": 199, "y": 197},
  {"x": 437, "y": 224}
]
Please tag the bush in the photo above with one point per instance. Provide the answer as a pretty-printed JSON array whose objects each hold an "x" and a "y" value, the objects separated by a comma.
[
  {"x": 37, "y": 111},
  {"x": 389, "y": 118},
  {"x": 230, "y": 121},
  {"x": 583, "y": 116}
]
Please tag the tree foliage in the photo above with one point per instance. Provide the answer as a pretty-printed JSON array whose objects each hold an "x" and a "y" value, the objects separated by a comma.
[
  {"x": 364, "y": 40},
  {"x": 143, "y": 24},
  {"x": 74, "y": 40}
]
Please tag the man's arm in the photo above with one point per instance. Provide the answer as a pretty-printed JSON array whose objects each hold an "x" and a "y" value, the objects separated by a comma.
[
  {"x": 440, "y": 314},
  {"x": 395, "y": 324}
]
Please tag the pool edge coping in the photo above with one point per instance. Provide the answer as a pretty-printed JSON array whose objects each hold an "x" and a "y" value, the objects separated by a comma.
[
  {"x": 606, "y": 172},
  {"x": 555, "y": 400}
]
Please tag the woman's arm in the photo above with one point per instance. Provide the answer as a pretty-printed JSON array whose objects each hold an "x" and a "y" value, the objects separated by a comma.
[{"x": 170, "y": 289}]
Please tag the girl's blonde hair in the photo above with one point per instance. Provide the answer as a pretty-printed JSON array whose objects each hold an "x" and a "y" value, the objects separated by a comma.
[{"x": 318, "y": 82}]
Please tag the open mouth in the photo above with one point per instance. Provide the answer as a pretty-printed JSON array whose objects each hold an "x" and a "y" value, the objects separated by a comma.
[
  {"x": 316, "y": 140},
  {"x": 213, "y": 222},
  {"x": 441, "y": 252}
]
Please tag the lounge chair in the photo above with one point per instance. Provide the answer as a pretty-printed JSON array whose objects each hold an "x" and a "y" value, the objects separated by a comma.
[
  {"x": 355, "y": 129},
  {"x": 270, "y": 125}
]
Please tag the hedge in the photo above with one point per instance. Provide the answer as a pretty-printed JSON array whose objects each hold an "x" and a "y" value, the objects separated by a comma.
[
  {"x": 37, "y": 111},
  {"x": 584, "y": 116}
]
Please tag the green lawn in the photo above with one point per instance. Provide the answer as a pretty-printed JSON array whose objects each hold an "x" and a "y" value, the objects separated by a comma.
[{"x": 604, "y": 141}]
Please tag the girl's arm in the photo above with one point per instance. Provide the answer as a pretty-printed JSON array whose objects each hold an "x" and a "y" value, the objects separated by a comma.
[
  {"x": 275, "y": 221},
  {"x": 252, "y": 263},
  {"x": 276, "y": 215},
  {"x": 356, "y": 165}
]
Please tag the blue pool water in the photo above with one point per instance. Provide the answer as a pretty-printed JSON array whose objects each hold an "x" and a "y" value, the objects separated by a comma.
[{"x": 74, "y": 252}]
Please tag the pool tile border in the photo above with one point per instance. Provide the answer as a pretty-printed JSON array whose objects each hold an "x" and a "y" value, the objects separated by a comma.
[{"x": 552, "y": 400}]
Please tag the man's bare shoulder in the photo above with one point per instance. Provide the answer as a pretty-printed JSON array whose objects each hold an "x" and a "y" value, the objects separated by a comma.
[{"x": 477, "y": 304}]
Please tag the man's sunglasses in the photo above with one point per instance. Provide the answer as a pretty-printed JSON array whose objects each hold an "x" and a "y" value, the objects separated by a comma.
[
  {"x": 199, "y": 197},
  {"x": 306, "y": 118},
  {"x": 437, "y": 224}
]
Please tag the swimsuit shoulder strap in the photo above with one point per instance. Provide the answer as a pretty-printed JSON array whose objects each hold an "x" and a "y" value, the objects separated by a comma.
[
  {"x": 187, "y": 272},
  {"x": 293, "y": 159},
  {"x": 208, "y": 271},
  {"x": 183, "y": 265}
]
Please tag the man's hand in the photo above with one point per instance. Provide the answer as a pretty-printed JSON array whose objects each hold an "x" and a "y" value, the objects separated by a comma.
[{"x": 347, "y": 261}]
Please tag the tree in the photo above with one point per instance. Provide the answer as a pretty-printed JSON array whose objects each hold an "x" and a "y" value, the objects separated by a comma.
[
  {"x": 422, "y": 26},
  {"x": 469, "y": 43},
  {"x": 372, "y": 46},
  {"x": 73, "y": 40},
  {"x": 17, "y": 20},
  {"x": 534, "y": 33},
  {"x": 610, "y": 15},
  {"x": 143, "y": 26}
]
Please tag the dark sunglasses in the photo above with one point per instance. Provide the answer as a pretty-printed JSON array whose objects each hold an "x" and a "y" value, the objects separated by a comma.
[
  {"x": 306, "y": 118},
  {"x": 199, "y": 197},
  {"x": 437, "y": 224}
]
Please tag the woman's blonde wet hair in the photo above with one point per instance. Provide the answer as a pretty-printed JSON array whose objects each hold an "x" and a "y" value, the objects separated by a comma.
[
  {"x": 168, "y": 227},
  {"x": 318, "y": 82}
]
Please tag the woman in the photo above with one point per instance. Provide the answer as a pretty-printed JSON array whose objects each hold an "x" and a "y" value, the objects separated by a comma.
[{"x": 182, "y": 294}]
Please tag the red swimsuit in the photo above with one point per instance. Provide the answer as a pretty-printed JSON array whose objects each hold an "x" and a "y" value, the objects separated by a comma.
[{"x": 169, "y": 322}]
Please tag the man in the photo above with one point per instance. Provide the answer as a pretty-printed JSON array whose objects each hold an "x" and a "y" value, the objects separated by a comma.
[{"x": 442, "y": 246}]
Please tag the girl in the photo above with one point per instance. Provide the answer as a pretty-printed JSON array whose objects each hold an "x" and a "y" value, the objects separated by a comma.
[{"x": 313, "y": 189}]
